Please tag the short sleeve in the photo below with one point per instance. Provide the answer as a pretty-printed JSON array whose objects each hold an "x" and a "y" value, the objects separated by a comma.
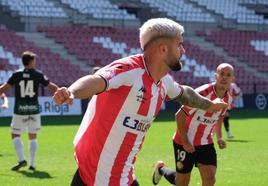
[
  {"x": 174, "y": 89},
  {"x": 12, "y": 79},
  {"x": 119, "y": 74},
  {"x": 44, "y": 80}
]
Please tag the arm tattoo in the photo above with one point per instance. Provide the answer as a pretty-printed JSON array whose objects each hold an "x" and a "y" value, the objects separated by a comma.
[{"x": 193, "y": 99}]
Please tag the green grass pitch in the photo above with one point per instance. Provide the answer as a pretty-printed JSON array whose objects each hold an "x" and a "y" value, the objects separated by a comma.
[{"x": 243, "y": 163}]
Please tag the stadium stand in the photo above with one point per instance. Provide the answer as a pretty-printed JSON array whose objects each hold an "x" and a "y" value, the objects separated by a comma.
[
  {"x": 253, "y": 50},
  {"x": 99, "y": 45},
  {"x": 40, "y": 8},
  {"x": 181, "y": 10},
  {"x": 99, "y": 9},
  {"x": 11, "y": 46},
  {"x": 233, "y": 9}
]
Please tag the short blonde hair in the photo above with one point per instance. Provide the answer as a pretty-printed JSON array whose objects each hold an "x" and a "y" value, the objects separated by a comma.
[
  {"x": 159, "y": 27},
  {"x": 224, "y": 65}
]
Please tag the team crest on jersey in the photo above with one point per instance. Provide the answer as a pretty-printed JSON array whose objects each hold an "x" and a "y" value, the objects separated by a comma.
[
  {"x": 179, "y": 165},
  {"x": 110, "y": 73},
  {"x": 142, "y": 97}
]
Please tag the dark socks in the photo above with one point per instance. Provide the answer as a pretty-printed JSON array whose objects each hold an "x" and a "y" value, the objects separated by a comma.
[
  {"x": 169, "y": 174},
  {"x": 135, "y": 183},
  {"x": 226, "y": 123}
]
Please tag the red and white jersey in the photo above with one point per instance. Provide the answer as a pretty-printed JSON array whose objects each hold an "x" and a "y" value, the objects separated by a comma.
[
  {"x": 200, "y": 123},
  {"x": 116, "y": 121},
  {"x": 234, "y": 89}
]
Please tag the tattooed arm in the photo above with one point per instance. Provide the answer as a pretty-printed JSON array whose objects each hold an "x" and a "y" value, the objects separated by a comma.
[{"x": 193, "y": 99}]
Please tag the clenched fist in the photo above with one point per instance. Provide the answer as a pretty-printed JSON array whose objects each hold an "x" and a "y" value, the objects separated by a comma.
[{"x": 63, "y": 95}]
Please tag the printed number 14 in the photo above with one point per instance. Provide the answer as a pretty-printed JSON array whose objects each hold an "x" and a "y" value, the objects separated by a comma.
[{"x": 26, "y": 89}]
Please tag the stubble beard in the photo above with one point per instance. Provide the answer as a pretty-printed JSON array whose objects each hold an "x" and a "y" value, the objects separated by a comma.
[{"x": 176, "y": 67}]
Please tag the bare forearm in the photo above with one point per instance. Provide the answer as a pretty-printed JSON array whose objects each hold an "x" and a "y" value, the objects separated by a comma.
[
  {"x": 180, "y": 120},
  {"x": 87, "y": 86},
  {"x": 218, "y": 129},
  {"x": 53, "y": 87},
  {"x": 193, "y": 99},
  {"x": 5, "y": 87}
]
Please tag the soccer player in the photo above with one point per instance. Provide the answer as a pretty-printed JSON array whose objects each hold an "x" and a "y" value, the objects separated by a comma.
[
  {"x": 192, "y": 140},
  {"x": 5, "y": 101},
  {"x": 127, "y": 96},
  {"x": 26, "y": 111},
  {"x": 237, "y": 94}
]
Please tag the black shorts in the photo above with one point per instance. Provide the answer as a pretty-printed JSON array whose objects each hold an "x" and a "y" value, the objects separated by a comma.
[{"x": 204, "y": 154}]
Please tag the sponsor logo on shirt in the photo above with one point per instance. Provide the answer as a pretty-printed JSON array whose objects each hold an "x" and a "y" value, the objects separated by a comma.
[
  {"x": 136, "y": 124},
  {"x": 207, "y": 121},
  {"x": 25, "y": 108}
]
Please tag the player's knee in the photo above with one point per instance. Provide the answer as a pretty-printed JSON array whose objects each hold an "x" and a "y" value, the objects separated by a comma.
[
  {"x": 209, "y": 180},
  {"x": 182, "y": 181}
]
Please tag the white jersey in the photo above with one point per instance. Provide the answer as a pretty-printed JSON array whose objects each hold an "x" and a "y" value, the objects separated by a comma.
[{"x": 116, "y": 121}]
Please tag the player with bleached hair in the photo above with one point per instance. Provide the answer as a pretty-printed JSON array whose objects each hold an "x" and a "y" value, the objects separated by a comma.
[
  {"x": 127, "y": 96},
  {"x": 192, "y": 140}
]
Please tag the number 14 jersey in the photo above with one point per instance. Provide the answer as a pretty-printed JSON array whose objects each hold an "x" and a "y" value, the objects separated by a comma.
[{"x": 26, "y": 82}]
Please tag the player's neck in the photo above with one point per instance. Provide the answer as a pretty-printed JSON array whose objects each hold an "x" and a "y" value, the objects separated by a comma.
[
  {"x": 29, "y": 67},
  {"x": 220, "y": 91},
  {"x": 154, "y": 69}
]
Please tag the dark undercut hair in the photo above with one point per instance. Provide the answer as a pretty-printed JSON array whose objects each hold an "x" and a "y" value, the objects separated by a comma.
[{"x": 27, "y": 57}]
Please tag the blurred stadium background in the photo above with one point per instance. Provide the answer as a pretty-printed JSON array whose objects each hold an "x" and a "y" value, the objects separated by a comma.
[{"x": 72, "y": 36}]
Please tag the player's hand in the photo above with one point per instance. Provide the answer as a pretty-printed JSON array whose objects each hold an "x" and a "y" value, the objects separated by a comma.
[
  {"x": 221, "y": 143},
  {"x": 4, "y": 106},
  {"x": 217, "y": 105},
  {"x": 63, "y": 95},
  {"x": 188, "y": 147}
]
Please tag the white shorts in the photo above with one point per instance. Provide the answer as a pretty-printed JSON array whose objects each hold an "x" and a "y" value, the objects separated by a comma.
[{"x": 23, "y": 123}]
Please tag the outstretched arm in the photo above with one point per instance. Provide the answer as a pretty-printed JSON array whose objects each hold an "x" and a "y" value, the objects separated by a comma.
[
  {"x": 52, "y": 86},
  {"x": 84, "y": 87},
  {"x": 5, "y": 87},
  {"x": 193, "y": 99}
]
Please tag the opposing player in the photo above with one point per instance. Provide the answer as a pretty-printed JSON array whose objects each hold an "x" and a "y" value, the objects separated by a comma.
[
  {"x": 128, "y": 94},
  {"x": 192, "y": 140},
  {"x": 5, "y": 101},
  {"x": 26, "y": 111}
]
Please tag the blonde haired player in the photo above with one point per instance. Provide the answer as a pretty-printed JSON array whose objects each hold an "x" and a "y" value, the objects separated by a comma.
[{"x": 127, "y": 96}]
